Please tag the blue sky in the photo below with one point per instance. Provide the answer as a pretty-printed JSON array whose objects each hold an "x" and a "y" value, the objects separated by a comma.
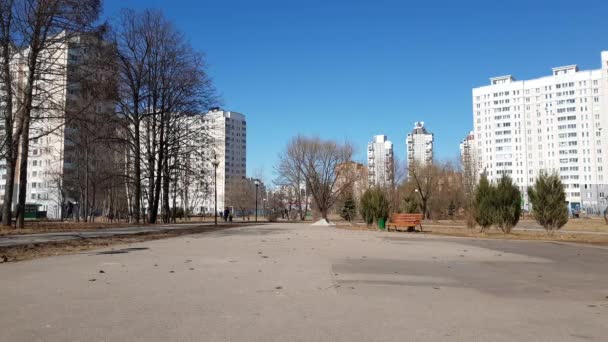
[{"x": 348, "y": 70}]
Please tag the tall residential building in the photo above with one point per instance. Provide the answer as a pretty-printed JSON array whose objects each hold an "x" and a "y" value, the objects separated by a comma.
[
  {"x": 57, "y": 113},
  {"x": 419, "y": 145},
  {"x": 228, "y": 131},
  {"x": 468, "y": 155},
  {"x": 552, "y": 123},
  {"x": 356, "y": 174},
  {"x": 380, "y": 161}
]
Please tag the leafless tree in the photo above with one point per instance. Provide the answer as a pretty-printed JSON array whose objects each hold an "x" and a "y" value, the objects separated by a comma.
[
  {"x": 242, "y": 196},
  {"x": 425, "y": 179},
  {"x": 10, "y": 138},
  {"x": 320, "y": 161},
  {"x": 38, "y": 32},
  {"x": 290, "y": 179},
  {"x": 162, "y": 81}
]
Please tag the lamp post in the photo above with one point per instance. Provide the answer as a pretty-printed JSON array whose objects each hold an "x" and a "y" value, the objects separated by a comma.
[
  {"x": 257, "y": 184},
  {"x": 264, "y": 207},
  {"x": 215, "y": 163}
]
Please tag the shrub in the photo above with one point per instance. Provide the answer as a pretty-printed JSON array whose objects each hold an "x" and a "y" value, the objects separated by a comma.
[
  {"x": 507, "y": 204},
  {"x": 349, "y": 209},
  {"x": 483, "y": 203},
  {"x": 411, "y": 205},
  {"x": 375, "y": 205},
  {"x": 548, "y": 201}
]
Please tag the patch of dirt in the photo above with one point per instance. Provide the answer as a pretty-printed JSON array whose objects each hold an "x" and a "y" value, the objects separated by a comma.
[{"x": 39, "y": 250}]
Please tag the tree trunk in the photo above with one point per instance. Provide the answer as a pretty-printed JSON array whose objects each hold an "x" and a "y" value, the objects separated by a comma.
[
  {"x": 137, "y": 171},
  {"x": 24, "y": 146}
]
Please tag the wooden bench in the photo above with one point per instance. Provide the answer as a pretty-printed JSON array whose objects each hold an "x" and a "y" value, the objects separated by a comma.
[{"x": 405, "y": 220}]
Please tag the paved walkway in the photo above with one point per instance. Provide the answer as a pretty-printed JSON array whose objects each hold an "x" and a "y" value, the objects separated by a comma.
[
  {"x": 294, "y": 282},
  {"x": 13, "y": 240}
]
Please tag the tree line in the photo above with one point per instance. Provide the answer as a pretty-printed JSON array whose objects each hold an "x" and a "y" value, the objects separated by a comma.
[
  {"x": 325, "y": 170},
  {"x": 116, "y": 104}
]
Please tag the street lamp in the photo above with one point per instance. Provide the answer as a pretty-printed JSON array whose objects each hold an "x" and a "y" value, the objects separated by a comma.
[
  {"x": 215, "y": 163},
  {"x": 257, "y": 184}
]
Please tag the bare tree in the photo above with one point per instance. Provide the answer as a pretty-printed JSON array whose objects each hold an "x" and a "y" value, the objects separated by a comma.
[
  {"x": 162, "y": 81},
  {"x": 242, "y": 196},
  {"x": 320, "y": 161},
  {"x": 10, "y": 138},
  {"x": 425, "y": 179},
  {"x": 291, "y": 179},
  {"x": 40, "y": 32}
]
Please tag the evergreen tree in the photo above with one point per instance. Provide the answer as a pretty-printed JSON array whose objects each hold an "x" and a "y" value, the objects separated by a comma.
[
  {"x": 483, "y": 203},
  {"x": 507, "y": 204},
  {"x": 349, "y": 209},
  {"x": 548, "y": 201},
  {"x": 375, "y": 205},
  {"x": 411, "y": 205}
]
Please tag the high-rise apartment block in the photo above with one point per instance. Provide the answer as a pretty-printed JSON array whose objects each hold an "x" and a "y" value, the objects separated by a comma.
[
  {"x": 228, "y": 132},
  {"x": 554, "y": 123},
  {"x": 419, "y": 145},
  {"x": 380, "y": 161}
]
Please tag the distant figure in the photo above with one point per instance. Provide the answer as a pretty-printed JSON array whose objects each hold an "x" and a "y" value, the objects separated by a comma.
[{"x": 226, "y": 211}]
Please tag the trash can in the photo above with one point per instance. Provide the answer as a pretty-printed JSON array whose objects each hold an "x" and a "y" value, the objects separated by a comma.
[{"x": 381, "y": 223}]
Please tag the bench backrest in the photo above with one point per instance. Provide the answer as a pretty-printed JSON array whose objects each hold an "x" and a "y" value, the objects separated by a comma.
[{"x": 406, "y": 217}]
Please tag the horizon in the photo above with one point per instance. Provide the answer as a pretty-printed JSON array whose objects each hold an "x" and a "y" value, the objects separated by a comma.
[{"x": 349, "y": 71}]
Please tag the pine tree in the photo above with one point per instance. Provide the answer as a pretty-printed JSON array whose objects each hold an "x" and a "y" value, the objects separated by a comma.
[
  {"x": 411, "y": 205},
  {"x": 349, "y": 209},
  {"x": 483, "y": 203},
  {"x": 507, "y": 204},
  {"x": 548, "y": 201},
  {"x": 375, "y": 205}
]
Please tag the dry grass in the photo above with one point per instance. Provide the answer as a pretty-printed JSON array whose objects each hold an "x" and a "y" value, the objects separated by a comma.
[
  {"x": 594, "y": 224},
  {"x": 520, "y": 235},
  {"x": 38, "y": 250},
  {"x": 70, "y": 226},
  {"x": 453, "y": 229}
]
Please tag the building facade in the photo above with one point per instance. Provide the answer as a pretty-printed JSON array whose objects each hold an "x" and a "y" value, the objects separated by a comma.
[
  {"x": 468, "y": 155},
  {"x": 228, "y": 133},
  {"x": 52, "y": 181},
  {"x": 554, "y": 123},
  {"x": 356, "y": 174},
  {"x": 380, "y": 161},
  {"x": 419, "y": 145}
]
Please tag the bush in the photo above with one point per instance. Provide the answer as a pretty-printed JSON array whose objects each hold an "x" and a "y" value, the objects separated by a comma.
[
  {"x": 375, "y": 205},
  {"x": 507, "y": 204},
  {"x": 483, "y": 203},
  {"x": 411, "y": 205},
  {"x": 548, "y": 201},
  {"x": 349, "y": 209}
]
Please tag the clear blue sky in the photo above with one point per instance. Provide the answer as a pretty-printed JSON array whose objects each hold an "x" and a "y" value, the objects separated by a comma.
[{"x": 350, "y": 69}]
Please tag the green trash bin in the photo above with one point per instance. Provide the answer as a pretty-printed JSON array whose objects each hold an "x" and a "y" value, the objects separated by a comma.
[{"x": 381, "y": 223}]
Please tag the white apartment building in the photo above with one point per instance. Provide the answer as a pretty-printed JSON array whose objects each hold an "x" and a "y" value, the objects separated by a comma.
[
  {"x": 419, "y": 145},
  {"x": 554, "y": 123},
  {"x": 50, "y": 160},
  {"x": 228, "y": 131},
  {"x": 468, "y": 154},
  {"x": 380, "y": 161}
]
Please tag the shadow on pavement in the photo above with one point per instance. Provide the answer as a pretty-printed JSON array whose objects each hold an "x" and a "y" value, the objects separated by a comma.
[
  {"x": 245, "y": 231},
  {"x": 121, "y": 251}
]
